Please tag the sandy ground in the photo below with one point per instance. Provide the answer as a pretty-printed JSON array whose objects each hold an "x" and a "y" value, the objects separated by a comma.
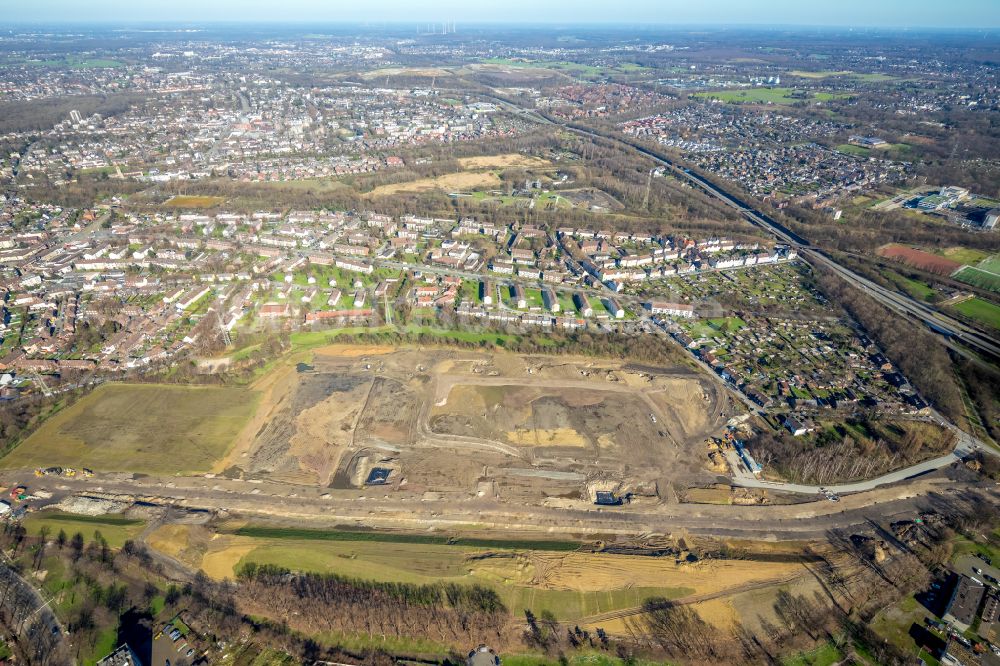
[
  {"x": 354, "y": 351},
  {"x": 271, "y": 387},
  {"x": 449, "y": 182},
  {"x": 220, "y": 561},
  {"x": 502, "y": 161},
  {"x": 405, "y": 71},
  {"x": 441, "y": 420}
]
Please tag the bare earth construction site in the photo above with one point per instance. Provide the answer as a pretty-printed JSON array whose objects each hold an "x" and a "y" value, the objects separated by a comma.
[{"x": 503, "y": 425}]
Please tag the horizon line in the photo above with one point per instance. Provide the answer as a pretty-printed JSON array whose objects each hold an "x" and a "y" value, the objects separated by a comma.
[{"x": 643, "y": 25}]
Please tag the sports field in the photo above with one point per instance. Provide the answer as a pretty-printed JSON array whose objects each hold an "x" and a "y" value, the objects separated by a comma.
[
  {"x": 981, "y": 311},
  {"x": 150, "y": 428},
  {"x": 978, "y": 277}
]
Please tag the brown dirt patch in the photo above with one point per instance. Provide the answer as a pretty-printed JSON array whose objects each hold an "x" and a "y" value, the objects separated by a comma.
[
  {"x": 925, "y": 261},
  {"x": 354, "y": 351},
  {"x": 223, "y": 556},
  {"x": 503, "y": 161},
  {"x": 449, "y": 182}
]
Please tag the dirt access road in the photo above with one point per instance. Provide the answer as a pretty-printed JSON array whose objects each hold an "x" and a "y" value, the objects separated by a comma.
[{"x": 319, "y": 508}]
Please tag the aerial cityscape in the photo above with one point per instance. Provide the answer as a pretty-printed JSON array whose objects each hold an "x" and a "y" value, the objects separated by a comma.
[{"x": 418, "y": 333}]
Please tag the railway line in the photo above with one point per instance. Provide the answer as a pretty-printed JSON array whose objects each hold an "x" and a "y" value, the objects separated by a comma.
[{"x": 958, "y": 336}]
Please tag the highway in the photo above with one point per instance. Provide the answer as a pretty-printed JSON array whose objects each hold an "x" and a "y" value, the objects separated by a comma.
[
  {"x": 949, "y": 328},
  {"x": 957, "y": 336}
]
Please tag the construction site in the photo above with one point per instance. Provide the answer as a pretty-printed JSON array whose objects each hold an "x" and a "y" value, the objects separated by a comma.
[{"x": 489, "y": 425}]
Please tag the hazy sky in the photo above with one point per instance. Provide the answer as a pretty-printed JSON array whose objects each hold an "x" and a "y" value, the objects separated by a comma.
[{"x": 882, "y": 13}]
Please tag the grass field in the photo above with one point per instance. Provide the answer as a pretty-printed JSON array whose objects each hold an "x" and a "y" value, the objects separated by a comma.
[
  {"x": 979, "y": 278},
  {"x": 573, "y": 585},
  {"x": 712, "y": 327},
  {"x": 302, "y": 340},
  {"x": 851, "y": 149},
  {"x": 576, "y": 69},
  {"x": 768, "y": 96},
  {"x": 990, "y": 264},
  {"x": 981, "y": 311},
  {"x": 149, "y": 428},
  {"x": 390, "y": 537},
  {"x": 965, "y": 255},
  {"x": 914, "y": 288},
  {"x": 825, "y": 655},
  {"x": 74, "y": 63},
  {"x": 859, "y": 76},
  {"x": 185, "y": 201},
  {"x": 115, "y": 529}
]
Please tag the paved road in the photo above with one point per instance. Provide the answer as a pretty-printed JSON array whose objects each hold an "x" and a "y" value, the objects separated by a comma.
[
  {"x": 39, "y": 635},
  {"x": 951, "y": 329},
  {"x": 559, "y": 518},
  {"x": 965, "y": 445}
]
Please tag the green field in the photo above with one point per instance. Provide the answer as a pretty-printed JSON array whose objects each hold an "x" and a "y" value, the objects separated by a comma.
[
  {"x": 306, "y": 339},
  {"x": 979, "y": 278},
  {"x": 390, "y": 537},
  {"x": 965, "y": 255},
  {"x": 149, "y": 428},
  {"x": 860, "y": 76},
  {"x": 72, "y": 63},
  {"x": 572, "y": 68},
  {"x": 824, "y": 655},
  {"x": 116, "y": 530},
  {"x": 851, "y": 149},
  {"x": 710, "y": 328},
  {"x": 428, "y": 564},
  {"x": 982, "y": 311},
  {"x": 990, "y": 264},
  {"x": 768, "y": 96},
  {"x": 914, "y": 288}
]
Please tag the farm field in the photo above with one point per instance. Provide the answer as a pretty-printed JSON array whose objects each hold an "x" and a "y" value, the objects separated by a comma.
[
  {"x": 189, "y": 201},
  {"x": 981, "y": 311},
  {"x": 150, "y": 428}
]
